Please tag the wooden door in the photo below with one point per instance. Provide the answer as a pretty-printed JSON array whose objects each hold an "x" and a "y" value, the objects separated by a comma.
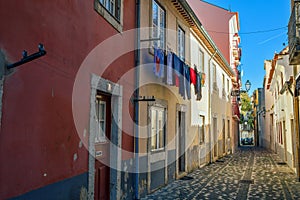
[{"x": 102, "y": 147}]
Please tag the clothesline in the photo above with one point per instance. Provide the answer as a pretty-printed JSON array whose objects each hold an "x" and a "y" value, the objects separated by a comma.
[{"x": 176, "y": 72}]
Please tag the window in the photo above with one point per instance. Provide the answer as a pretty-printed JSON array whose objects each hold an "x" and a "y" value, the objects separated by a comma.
[
  {"x": 279, "y": 132},
  {"x": 201, "y": 130},
  {"x": 157, "y": 127},
  {"x": 228, "y": 86},
  {"x": 281, "y": 77},
  {"x": 158, "y": 24},
  {"x": 201, "y": 60},
  {"x": 214, "y": 73},
  {"x": 181, "y": 43},
  {"x": 112, "y": 6},
  {"x": 101, "y": 120},
  {"x": 111, "y": 10},
  {"x": 223, "y": 81}
]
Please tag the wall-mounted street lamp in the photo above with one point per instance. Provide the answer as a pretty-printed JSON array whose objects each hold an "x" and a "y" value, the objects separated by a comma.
[{"x": 248, "y": 85}]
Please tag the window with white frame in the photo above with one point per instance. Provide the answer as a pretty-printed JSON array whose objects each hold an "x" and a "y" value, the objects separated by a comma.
[
  {"x": 223, "y": 82},
  {"x": 181, "y": 43},
  {"x": 201, "y": 60},
  {"x": 112, "y": 6},
  {"x": 228, "y": 86},
  {"x": 201, "y": 130},
  {"x": 158, "y": 25},
  {"x": 158, "y": 133},
  {"x": 101, "y": 120},
  {"x": 214, "y": 73},
  {"x": 111, "y": 11}
]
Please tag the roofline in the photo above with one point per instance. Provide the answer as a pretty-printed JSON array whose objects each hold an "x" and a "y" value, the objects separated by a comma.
[
  {"x": 215, "y": 5},
  {"x": 199, "y": 26}
]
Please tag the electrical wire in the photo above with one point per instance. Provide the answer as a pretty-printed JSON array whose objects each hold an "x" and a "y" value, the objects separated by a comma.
[{"x": 252, "y": 32}]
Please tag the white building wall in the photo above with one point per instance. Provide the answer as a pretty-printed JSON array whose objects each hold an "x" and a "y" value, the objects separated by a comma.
[
  {"x": 283, "y": 109},
  {"x": 269, "y": 132},
  {"x": 199, "y": 107}
]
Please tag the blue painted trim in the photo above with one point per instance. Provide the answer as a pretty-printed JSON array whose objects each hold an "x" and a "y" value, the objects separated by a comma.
[{"x": 65, "y": 189}]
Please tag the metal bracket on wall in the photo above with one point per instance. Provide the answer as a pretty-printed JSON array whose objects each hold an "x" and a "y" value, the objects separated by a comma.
[
  {"x": 27, "y": 58},
  {"x": 144, "y": 99}
]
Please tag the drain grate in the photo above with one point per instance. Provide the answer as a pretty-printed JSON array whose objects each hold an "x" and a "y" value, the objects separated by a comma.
[
  {"x": 281, "y": 163},
  {"x": 220, "y": 161},
  {"x": 186, "y": 178},
  {"x": 247, "y": 181}
]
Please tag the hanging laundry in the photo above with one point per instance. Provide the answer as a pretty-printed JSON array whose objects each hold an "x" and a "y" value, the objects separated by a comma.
[
  {"x": 193, "y": 76},
  {"x": 196, "y": 81},
  {"x": 170, "y": 74},
  {"x": 187, "y": 79},
  {"x": 199, "y": 87},
  {"x": 181, "y": 79},
  {"x": 177, "y": 65},
  {"x": 203, "y": 79},
  {"x": 158, "y": 68}
]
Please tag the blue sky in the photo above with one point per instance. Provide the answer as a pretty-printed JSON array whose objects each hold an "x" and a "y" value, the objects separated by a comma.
[{"x": 258, "y": 16}]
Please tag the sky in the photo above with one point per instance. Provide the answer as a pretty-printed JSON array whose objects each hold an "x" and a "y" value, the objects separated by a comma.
[{"x": 257, "y": 19}]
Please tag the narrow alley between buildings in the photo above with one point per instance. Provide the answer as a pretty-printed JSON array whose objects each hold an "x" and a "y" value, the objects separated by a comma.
[{"x": 250, "y": 173}]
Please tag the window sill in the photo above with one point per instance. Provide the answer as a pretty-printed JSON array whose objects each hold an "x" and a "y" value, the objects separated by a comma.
[
  {"x": 107, "y": 16},
  {"x": 157, "y": 150},
  {"x": 102, "y": 140}
]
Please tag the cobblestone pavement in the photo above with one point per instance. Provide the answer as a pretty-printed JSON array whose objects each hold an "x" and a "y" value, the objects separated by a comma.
[{"x": 250, "y": 173}]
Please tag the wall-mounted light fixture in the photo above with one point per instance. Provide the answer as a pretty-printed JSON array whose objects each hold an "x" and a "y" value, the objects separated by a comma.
[
  {"x": 248, "y": 85},
  {"x": 27, "y": 58},
  {"x": 144, "y": 98}
]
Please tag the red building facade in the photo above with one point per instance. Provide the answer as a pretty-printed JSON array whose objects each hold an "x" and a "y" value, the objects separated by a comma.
[{"x": 46, "y": 112}]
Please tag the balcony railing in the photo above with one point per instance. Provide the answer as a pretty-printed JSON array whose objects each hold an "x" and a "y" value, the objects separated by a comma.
[{"x": 294, "y": 34}]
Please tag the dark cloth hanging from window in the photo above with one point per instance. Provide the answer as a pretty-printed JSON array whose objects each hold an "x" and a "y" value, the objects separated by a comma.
[
  {"x": 187, "y": 79},
  {"x": 181, "y": 80},
  {"x": 196, "y": 80},
  {"x": 199, "y": 86},
  {"x": 198, "y": 89},
  {"x": 170, "y": 69},
  {"x": 177, "y": 69}
]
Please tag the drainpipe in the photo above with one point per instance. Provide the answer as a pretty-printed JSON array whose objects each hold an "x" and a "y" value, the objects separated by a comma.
[
  {"x": 296, "y": 126},
  {"x": 209, "y": 106},
  {"x": 136, "y": 103}
]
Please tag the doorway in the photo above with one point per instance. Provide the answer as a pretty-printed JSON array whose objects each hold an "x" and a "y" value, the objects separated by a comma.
[
  {"x": 271, "y": 132},
  {"x": 102, "y": 146},
  {"x": 284, "y": 140},
  {"x": 181, "y": 141},
  {"x": 215, "y": 139},
  {"x": 105, "y": 138}
]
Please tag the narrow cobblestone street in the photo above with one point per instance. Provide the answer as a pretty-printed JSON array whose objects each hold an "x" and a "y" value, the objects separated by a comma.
[{"x": 250, "y": 173}]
